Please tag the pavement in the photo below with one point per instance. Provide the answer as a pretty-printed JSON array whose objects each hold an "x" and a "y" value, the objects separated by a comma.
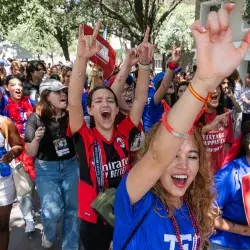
[{"x": 21, "y": 241}]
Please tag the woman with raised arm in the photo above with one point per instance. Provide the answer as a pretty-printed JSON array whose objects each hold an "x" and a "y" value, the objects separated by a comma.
[
  {"x": 165, "y": 201},
  {"x": 103, "y": 151}
]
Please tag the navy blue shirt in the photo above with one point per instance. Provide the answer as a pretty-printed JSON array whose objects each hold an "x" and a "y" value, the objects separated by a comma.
[
  {"x": 228, "y": 182},
  {"x": 156, "y": 231}
]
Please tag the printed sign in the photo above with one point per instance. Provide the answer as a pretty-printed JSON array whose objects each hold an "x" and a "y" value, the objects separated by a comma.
[{"x": 106, "y": 57}]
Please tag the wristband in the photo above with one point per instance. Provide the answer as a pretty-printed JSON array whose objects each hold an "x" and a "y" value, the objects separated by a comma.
[
  {"x": 145, "y": 67},
  {"x": 171, "y": 130},
  {"x": 198, "y": 97},
  {"x": 173, "y": 66}
]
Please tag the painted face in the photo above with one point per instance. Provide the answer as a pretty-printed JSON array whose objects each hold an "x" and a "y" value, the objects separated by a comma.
[
  {"x": 182, "y": 171},
  {"x": 215, "y": 98},
  {"x": 58, "y": 99},
  {"x": 225, "y": 85},
  {"x": 15, "y": 88},
  {"x": 181, "y": 90},
  {"x": 67, "y": 78},
  {"x": 103, "y": 108},
  {"x": 171, "y": 89},
  {"x": 127, "y": 98}
]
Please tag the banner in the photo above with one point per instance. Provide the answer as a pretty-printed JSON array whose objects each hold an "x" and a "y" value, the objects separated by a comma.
[{"x": 106, "y": 57}]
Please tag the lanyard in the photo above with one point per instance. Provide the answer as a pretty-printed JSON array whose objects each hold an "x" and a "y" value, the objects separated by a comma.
[{"x": 98, "y": 167}]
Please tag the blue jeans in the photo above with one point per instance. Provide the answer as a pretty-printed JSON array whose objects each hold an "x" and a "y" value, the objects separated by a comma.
[{"x": 57, "y": 189}]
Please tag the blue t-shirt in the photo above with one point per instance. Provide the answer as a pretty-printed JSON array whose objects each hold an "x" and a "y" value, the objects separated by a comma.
[
  {"x": 154, "y": 114},
  {"x": 228, "y": 182},
  {"x": 145, "y": 115},
  {"x": 156, "y": 231}
]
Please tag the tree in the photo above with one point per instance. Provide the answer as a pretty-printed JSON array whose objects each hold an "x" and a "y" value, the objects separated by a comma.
[
  {"x": 129, "y": 19},
  {"x": 35, "y": 41},
  {"x": 246, "y": 14}
]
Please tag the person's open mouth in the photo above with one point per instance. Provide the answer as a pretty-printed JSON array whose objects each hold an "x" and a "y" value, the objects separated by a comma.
[
  {"x": 179, "y": 180},
  {"x": 129, "y": 101},
  {"x": 106, "y": 115}
]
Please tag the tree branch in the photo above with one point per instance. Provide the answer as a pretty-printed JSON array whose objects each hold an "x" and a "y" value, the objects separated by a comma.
[
  {"x": 164, "y": 16},
  {"x": 139, "y": 11},
  {"x": 111, "y": 13}
]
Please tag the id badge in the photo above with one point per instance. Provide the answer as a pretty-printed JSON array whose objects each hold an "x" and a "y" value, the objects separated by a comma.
[{"x": 61, "y": 147}]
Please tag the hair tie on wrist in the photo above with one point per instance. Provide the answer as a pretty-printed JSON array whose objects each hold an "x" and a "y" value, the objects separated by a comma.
[{"x": 198, "y": 97}]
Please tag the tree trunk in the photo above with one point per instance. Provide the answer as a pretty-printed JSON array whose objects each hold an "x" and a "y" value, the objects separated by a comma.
[
  {"x": 65, "y": 49},
  {"x": 61, "y": 37},
  {"x": 164, "y": 60}
]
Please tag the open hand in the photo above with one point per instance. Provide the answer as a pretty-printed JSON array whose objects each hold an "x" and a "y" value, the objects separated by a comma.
[
  {"x": 87, "y": 45},
  {"x": 216, "y": 55}
]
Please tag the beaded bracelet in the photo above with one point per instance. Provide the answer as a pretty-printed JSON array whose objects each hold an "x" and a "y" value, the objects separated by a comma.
[
  {"x": 173, "y": 66},
  {"x": 198, "y": 97},
  {"x": 171, "y": 130}
]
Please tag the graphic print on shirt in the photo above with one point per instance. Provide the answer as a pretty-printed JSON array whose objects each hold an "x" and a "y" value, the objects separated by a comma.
[
  {"x": 172, "y": 240},
  {"x": 114, "y": 160},
  {"x": 215, "y": 139}
]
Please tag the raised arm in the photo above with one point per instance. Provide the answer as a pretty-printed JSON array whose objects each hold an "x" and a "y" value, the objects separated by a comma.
[
  {"x": 145, "y": 53},
  {"x": 168, "y": 77},
  {"x": 120, "y": 80},
  {"x": 214, "y": 52},
  {"x": 86, "y": 48}
]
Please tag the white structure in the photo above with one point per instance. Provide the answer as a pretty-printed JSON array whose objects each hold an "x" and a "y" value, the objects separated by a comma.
[
  {"x": 239, "y": 27},
  {"x": 13, "y": 50}
]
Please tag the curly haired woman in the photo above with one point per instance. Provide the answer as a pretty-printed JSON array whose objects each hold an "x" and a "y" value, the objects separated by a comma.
[{"x": 165, "y": 201}]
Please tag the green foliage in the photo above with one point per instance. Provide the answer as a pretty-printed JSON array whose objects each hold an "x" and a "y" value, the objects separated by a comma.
[
  {"x": 175, "y": 30},
  {"x": 246, "y": 14},
  {"x": 129, "y": 19}
]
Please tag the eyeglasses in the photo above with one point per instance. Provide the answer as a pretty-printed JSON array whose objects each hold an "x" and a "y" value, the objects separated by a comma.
[{"x": 128, "y": 91}]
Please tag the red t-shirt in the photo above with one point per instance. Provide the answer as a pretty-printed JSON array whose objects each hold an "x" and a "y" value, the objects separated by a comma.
[
  {"x": 114, "y": 158},
  {"x": 215, "y": 140}
]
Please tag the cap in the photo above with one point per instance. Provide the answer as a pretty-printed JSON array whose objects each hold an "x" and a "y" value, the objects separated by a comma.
[
  {"x": 158, "y": 78},
  {"x": 52, "y": 85},
  {"x": 129, "y": 80}
]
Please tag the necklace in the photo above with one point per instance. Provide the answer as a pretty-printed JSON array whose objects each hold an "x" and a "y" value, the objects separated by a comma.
[{"x": 196, "y": 238}]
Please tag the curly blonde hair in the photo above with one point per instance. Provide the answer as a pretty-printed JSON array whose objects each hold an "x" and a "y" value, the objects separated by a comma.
[{"x": 200, "y": 194}]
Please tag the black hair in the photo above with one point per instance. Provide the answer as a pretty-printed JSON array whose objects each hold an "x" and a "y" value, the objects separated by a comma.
[
  {"x": 244, "y": 149},
  {"x": 11, "y": 77},
  {"x": 90, "y": 95},
  {"x": 56, "y": 77},
  {"x": 184, "y": 83},
  {"x": 32, "y": 67},
  {"x": 219, "y": 110}
]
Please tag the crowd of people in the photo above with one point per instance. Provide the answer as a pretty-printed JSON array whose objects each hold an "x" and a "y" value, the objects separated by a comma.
[{"x": 138, "y": 161}]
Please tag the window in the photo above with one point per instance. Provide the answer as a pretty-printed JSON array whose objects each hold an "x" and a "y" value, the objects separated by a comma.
[{"x": 158, "y": 63}]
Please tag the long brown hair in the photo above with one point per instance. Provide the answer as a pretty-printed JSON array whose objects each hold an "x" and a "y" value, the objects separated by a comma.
[
  {"x": 44, "y": 109},
  {"x": 199, "y": 194}
]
